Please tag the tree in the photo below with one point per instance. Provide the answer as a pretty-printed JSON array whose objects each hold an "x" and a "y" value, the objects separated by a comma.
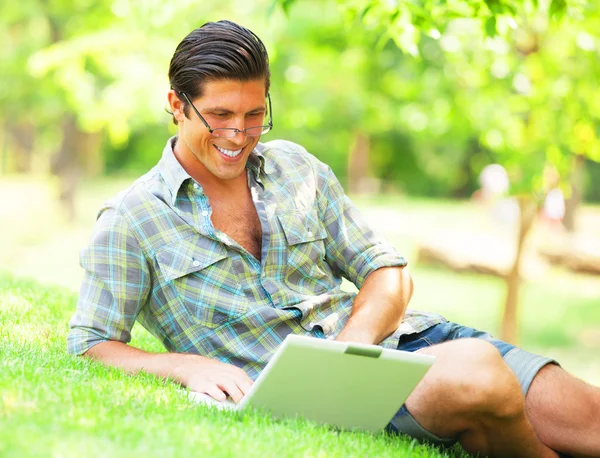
[
  {"x": 535, "y": 109},
  {"x": 520, "y": 77}
]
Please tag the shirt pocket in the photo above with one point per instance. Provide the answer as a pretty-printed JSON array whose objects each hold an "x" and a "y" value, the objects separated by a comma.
[
  {"x": 306, "y": 270},
  {"x": 204, "y": 278}
]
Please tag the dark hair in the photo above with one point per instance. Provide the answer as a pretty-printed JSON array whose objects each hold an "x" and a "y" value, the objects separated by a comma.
[{"x": 217, "y": 50}]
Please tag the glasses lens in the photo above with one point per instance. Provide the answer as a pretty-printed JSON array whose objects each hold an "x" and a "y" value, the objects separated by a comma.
[
  {"x": 256, "y": 131},
  {"x": 251, "y": 131},
  {"x": 224, "y": 133}
]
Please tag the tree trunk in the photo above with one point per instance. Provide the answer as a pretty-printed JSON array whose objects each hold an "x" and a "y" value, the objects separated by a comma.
[
  {"x": 358, "y": 164},
  {"x": 467, "y": 180},
  {"x": 23, "y": 135},
  {"x": 509, "y": 327},
  {"x": 78, "y": 153},
  {"x": 4, "y": 153},
  {"x": 574, "y": 200}
]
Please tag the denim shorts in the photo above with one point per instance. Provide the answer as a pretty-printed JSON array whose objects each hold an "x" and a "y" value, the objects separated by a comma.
[{"x": 525, "y": 365}]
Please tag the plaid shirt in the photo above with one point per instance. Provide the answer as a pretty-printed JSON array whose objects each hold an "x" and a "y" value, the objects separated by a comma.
[{"x": 156, "y": 257}]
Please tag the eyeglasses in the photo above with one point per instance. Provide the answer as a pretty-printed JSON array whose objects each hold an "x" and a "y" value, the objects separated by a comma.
[{"x": 230, "y": 132}]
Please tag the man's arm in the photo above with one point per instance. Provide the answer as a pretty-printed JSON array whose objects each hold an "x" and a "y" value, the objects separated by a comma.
[
  {"x": 195, "y": 372},
  {"x": 114, "y": 290},
  {"x": 379, "y": 306},
  {"x": 364, "y": 258}
]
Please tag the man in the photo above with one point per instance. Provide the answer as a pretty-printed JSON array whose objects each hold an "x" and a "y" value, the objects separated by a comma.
[{"x": 228, "y": 245}]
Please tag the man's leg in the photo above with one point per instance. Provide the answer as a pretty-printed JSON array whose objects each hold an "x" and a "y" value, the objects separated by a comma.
[
  {"x": 564, "y": 412},
  {"x": 471, "y": 394}
]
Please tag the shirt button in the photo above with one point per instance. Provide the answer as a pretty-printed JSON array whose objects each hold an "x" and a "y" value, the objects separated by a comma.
[
  {"x": 196, "y": 263},
  {"x": 196, "y": 185},
  {"x": 309, "y": 233},
  {"x": 204, "y": 213}
]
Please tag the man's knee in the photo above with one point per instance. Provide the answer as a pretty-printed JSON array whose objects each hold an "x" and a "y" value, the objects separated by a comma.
[
  {"x": 469, "y": 383},
  {"x": 488, "y": 385}
]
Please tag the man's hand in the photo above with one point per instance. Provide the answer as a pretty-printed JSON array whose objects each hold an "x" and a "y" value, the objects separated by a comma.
[
  {"x": 214, "y": 378},
  {"x": 195, "y": 372}
]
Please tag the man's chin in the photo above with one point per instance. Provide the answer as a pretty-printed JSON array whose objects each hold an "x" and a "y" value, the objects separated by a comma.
[{"x": 228, "y": 174}]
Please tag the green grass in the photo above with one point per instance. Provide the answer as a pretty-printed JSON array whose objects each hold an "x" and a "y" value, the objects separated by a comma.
[{"x": 54, "y": 404}]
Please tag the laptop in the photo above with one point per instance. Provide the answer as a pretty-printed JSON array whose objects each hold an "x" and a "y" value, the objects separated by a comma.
[{"x": 347, "y": 385}]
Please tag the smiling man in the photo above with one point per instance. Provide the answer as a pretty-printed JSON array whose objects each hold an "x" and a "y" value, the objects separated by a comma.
[{"x": 229, "y": 244}]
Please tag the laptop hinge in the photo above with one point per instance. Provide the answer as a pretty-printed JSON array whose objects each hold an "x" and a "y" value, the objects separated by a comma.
[{"x": 372, "y": 352}]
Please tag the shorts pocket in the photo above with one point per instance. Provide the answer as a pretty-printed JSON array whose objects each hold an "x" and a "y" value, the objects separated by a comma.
[{"x": 204, "y": 278}]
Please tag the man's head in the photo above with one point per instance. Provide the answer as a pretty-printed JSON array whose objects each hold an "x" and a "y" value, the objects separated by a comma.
[
  {"x": 219, "y": 84},
  {"x": 216, "y": 51}
]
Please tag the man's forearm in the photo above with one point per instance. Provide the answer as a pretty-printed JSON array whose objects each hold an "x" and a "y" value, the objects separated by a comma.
[
  {"x": 379, "y": 306},
  {"x": 134, "y": 360},
  {"x": 195, "y": 372}
]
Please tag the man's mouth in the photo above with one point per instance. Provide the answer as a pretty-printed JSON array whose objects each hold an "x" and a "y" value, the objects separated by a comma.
[{"x": 228, "y": 152}]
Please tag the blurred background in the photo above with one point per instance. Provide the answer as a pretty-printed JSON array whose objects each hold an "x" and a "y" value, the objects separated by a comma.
[{"x": 467, "y": 131}]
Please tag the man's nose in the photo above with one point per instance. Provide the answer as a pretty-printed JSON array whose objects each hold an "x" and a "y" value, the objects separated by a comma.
[
  {"x": 240, "y": 134},
  {"x": 239, "y": 137}
]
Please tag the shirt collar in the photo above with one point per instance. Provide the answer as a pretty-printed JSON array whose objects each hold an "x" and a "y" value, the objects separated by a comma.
[
  {"x": 171, "y": 170},
  {"x": 175, "y": 175},
  {"x": 256, "y": 161}
]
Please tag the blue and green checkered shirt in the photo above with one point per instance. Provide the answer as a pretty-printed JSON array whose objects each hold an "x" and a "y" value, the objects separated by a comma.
[{"x": 156, "y": 257}]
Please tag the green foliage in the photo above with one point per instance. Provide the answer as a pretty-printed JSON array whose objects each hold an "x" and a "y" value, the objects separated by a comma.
[
  {"x": 441, "y": 88},
  {"x": 510, "y": 82}
]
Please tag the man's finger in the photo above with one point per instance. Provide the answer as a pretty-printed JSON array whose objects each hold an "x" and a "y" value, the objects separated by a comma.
[
  {"x": 244, "y": 384},
  {"x": 214, "y": 392},
  {"x": 242, "y": 379},
  {"x": 232, "y": 389}
]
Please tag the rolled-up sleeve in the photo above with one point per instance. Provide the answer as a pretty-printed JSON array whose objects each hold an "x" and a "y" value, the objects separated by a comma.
[
  {"x": 115, "y": 287},
  {"x": 352, "y": 247}
]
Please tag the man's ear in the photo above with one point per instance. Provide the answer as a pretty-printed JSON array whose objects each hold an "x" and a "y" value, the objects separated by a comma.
[{"x": 176, "y": 105}]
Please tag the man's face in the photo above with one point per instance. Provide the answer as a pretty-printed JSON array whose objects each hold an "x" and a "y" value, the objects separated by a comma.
[{"x": 224, "y": 103}]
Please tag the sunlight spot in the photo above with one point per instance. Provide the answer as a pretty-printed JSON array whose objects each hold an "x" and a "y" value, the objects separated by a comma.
[
  {"x": 294, "y": 74},
  {"x": 121, "y": 8},
  {"x": 14, "y": 304},
  {"x": 435, "y": 34},
  {"x": 450, "y": 43},
  {"x": 522, "y": 84},
  {"x": 500, "y": 69},
  {"x": 415, "y": 118},
  {"x": 562, "y": 87},
  {"x": 494, "y": 138},
  {"x": 586, "y": 41}
]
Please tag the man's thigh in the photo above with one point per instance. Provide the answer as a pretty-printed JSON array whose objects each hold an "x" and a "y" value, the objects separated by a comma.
[{"x": 524, "y": 365}]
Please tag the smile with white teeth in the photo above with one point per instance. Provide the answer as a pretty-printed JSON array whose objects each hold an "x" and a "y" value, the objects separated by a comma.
[{"x": 229, "y": 153}]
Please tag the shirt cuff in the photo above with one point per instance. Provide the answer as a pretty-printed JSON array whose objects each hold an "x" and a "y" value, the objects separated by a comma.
[
  {"x": 81, "y": 340},
  {"x": 375, "y": 258}
]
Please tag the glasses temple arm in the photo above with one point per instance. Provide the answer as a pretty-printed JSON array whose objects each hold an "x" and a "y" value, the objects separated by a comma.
[{"x": 197, "y": 112}]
